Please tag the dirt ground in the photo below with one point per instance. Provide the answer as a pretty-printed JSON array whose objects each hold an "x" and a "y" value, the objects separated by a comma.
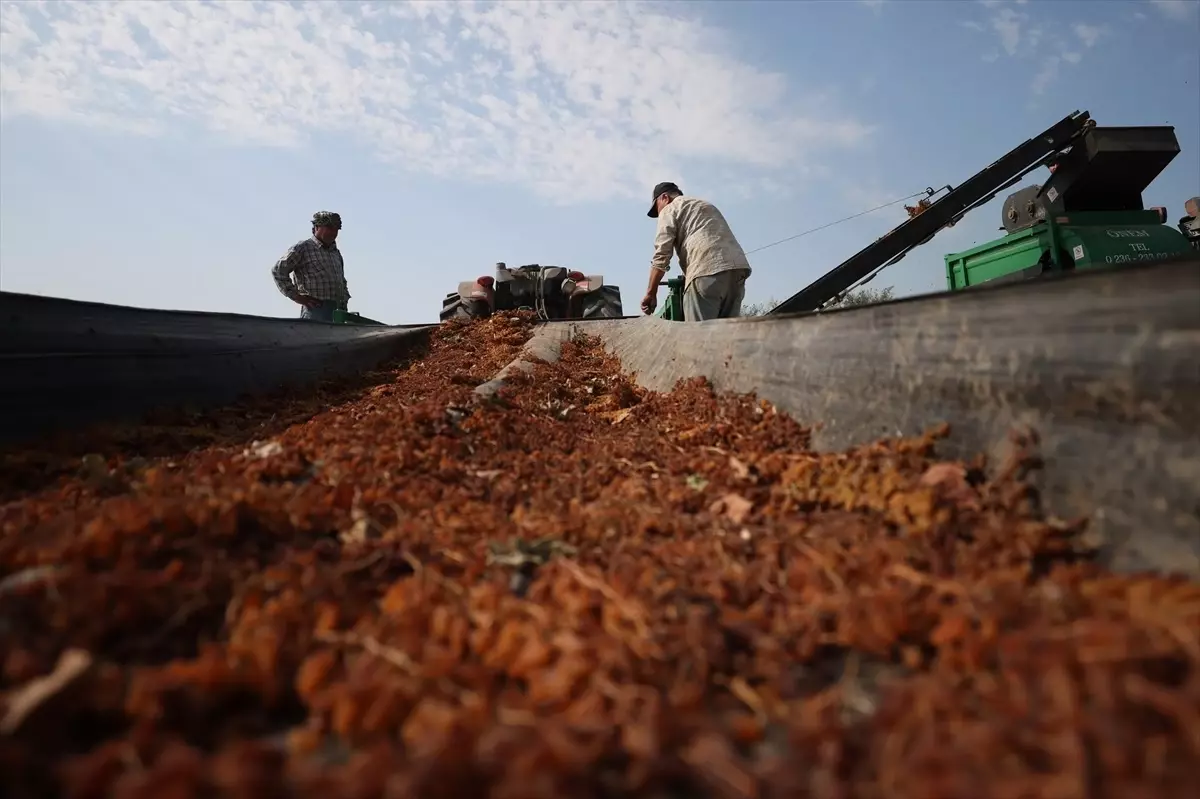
[{"x": 576, "y": 589}]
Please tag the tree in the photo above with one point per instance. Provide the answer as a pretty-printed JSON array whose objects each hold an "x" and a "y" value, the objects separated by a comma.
[
  {"x": 759, "y": 308},
  {"x": 860, "y": 296},
  {"x": 863, "y": 296}
]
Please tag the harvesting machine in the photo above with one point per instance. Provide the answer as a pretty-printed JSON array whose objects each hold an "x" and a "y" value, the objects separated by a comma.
[
  {"x": 553, "y": 292},
  {"x": 1088, "y": 214}
]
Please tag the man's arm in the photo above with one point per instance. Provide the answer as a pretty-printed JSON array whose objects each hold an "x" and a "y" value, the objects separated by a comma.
[
  {"x": 656, "y": 277},
  {"x": 282, "y": 273},
  {"x": 664, "y": 243},
  {"x": 660, "y": 261}
]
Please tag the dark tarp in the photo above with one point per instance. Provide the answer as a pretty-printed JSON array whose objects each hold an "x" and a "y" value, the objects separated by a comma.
[{"x": 65, "y": 363}]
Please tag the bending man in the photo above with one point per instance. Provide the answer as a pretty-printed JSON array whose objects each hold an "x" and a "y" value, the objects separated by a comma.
[
  {"x": 319, "y": 285},
  {"x": 714, "y": 265}
]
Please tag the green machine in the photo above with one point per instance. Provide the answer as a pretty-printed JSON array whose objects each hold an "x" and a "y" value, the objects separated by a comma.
[
  {"x": 672, "y": 307},
  {"x": 341, "y": 317},
  {"x": 1088, "y": 214}
]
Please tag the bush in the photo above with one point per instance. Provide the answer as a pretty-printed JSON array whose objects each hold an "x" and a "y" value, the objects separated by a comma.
[{"x": 862, "y": 296}]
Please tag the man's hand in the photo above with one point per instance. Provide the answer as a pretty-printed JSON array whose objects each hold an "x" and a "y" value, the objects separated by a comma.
[
  {"x": 650, "y": 301},
  {"x": 308, "y": 301}
]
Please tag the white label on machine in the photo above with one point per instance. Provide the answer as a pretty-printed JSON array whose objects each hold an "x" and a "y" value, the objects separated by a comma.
[
  {"x": 1052, "y": 194},
  {"x": 1077, "y": 253}
]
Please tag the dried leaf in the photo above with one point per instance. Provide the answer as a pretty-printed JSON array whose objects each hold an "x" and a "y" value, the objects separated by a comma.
[
  {"x": 733, "y": 506},
  {"x": 24, "y": 701},
  {"x": 740, "y": 469},
  {"x": 263, "y": 449},
  {"x": 951, "y": 480}
]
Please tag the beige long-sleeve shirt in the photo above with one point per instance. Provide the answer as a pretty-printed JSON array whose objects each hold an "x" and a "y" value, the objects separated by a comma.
[{"x": 699, "y": 234}]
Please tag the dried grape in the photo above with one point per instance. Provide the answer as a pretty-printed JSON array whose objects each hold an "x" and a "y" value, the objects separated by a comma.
[{"x": 580, "y": 588}]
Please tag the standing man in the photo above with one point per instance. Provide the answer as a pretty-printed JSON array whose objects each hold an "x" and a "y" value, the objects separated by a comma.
[
  {"x": 320, "y": 280},
  {"x": 714, "y": 265}
]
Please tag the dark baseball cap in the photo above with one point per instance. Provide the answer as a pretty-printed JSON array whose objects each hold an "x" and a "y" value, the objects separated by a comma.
[{"x": 659, "y": 189}]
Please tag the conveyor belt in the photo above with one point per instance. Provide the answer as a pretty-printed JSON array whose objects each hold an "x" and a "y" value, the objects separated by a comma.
[{"x": 949, "y": 208}]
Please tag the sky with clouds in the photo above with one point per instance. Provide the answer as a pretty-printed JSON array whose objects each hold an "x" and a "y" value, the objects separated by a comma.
[{"x": 165, "y": 154}]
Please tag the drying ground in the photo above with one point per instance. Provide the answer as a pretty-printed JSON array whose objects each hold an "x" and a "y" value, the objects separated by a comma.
[{"x": 576, "y": 589}]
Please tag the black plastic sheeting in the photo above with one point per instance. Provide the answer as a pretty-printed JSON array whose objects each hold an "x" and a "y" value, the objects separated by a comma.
[
  {"x": 65, "y": 363},
  {"x": 1103, "y": 365}
]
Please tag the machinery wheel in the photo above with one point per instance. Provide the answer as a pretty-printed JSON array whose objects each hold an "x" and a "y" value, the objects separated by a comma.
[
  {"x": 453, "y": 307},
  {"x": 602, "y": 304}
]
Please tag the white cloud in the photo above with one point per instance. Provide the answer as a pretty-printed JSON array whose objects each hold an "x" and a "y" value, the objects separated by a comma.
[
  {"x": 1007, "y": 24},
  {"x": 577, "y": 101},
  {"x": 1047, "y": 74},
  {"x": 1023, "y": 36},
  {"x": 1176, "y": 9},
  {"x": 1088, "y": 34}
]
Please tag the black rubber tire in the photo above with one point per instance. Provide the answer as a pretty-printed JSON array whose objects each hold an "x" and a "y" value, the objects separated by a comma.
[
  {"x": 602, "y": 304},
  {"x": 453, "y": 307}
]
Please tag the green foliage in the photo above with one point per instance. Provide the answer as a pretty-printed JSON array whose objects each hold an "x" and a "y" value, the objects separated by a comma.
[
  {"x": 861, "y": 296},
  {"x": 759, "y": 308}
]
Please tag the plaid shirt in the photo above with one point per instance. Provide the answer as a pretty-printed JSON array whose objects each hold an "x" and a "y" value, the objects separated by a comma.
[
  {"x": 318, "y": 268},
  {"x": 698, "y": 232}
]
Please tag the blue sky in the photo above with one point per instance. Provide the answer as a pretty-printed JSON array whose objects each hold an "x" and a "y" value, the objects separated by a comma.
[{"x": 164, "y": 154}]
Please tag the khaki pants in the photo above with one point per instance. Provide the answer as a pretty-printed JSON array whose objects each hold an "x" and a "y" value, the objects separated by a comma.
[{"x": 716, "y": 296}]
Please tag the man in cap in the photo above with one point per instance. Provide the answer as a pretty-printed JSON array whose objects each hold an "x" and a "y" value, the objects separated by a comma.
[
  {"x": 714, "y": 265},
  {"x": 319, "y": 285}
]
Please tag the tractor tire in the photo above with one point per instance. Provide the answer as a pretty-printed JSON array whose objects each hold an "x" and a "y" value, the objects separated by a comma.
[
  {"x": 602, "y": 304},
  {"x": 453, "y": 307}
]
